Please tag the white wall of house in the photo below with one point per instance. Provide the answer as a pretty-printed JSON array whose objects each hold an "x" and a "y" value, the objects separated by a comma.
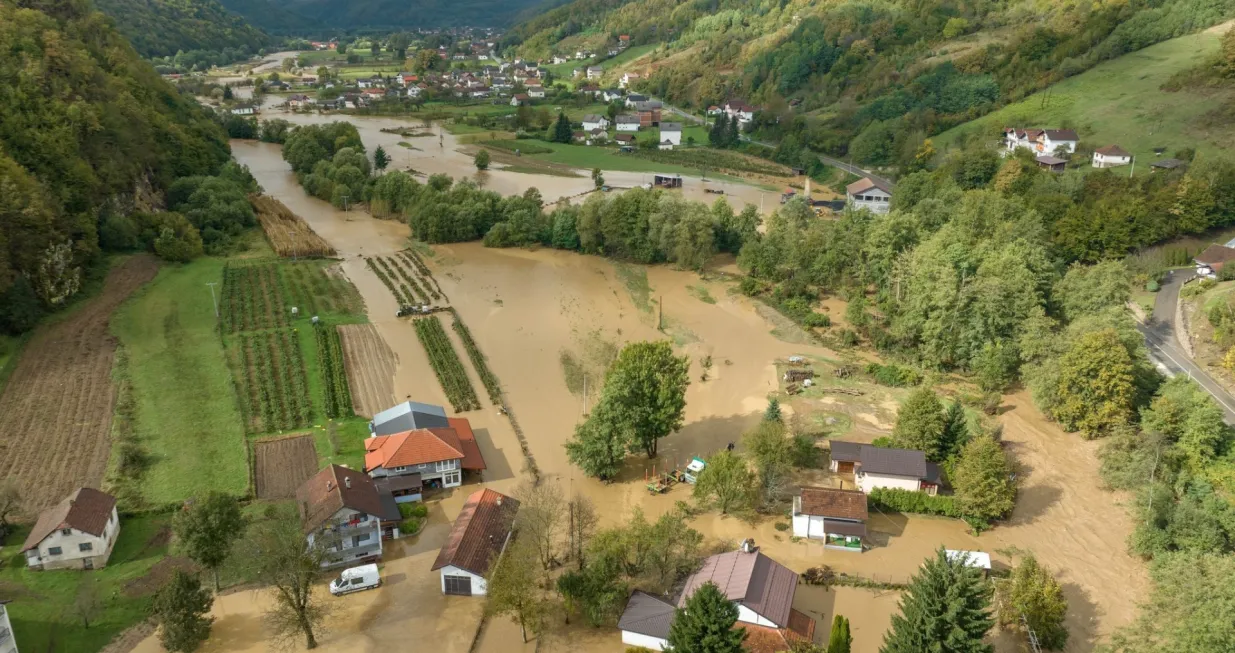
[
  {"x": 364, "y": 540},
  {"x": 479, "y": 586},
  {"x": 867, "y": 482},
  {"x": 1108, "y": 161},
  {"x": 588, "y": 126},
  {"x": 1049, "y": 146},
  {"x": 8, "y": 642},
  {"x": 64, "y": 550},
  {"x": 752, "y": 617},
  {"x": 628, "y": 126},
  {"x": 448, "y": 471},
  {"x": 808, "y": 526},
  {"x": 873, "y": 199},
  {"x": 645, "y": 641},
  {"x": 672, "y": 137}
]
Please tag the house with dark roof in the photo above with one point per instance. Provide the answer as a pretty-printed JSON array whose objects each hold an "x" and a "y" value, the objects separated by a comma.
[
  {"x": 627, "y": 122},
  {"x": 1052, "y": 163},
  {"x": 843, "y": 456},
  {"x": 437, "y": 454},
  {"x": 867, "y": 193},
  {"x": 342, "y": 511},
  {"x": 1212, "y": 260},
  {"x": 1111, "y": 156},
  {"x": 762, "y": 589},
  {"x": 1167, "y": 164},
  {"x": 479, "y": 536},
  {"x": 77, "y": 533},
  {"x": 906, "y": 469},
  {"x": 838, "y": 517},
  {"x": 407, "y": 416}
]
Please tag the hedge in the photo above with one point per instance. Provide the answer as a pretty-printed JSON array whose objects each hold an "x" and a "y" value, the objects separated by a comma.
[{"x": 910, "y": 501}]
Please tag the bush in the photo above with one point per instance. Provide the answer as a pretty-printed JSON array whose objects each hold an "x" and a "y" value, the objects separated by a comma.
[
  {"x": 893, "y": 375},
  {"x": 799, "y": 310},
  {"x": 781, "y": 526},
  {"x": 803, "y": 452},
  {"x": 1152, "y": 286},
  {"x": 914, "y": 502},
  {"x": 749, "y": 286}
]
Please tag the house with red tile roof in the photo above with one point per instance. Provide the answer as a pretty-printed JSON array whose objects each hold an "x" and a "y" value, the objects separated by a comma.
[
  {"x": 415, "y": 438},
  {"x": 77, "y": 533},
  {"x": 479, "y": 536}
]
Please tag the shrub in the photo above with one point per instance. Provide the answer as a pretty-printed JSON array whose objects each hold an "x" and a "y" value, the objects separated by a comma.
[
  {"x": 893, "y": 375},
  {"x": 781, "y": 526},
  {"x": 749, "y": 286},
  {"x": 1152, "y": 286},
  {"x": 914, "y": 502}
]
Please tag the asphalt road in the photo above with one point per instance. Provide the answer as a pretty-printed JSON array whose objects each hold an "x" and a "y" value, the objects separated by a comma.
[{"x": 1164, "y": 347}]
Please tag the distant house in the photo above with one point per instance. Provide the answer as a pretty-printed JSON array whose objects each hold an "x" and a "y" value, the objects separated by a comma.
[
  {"x": 1052, "y": 163},
  {"x": 479, "y": 536},
  {"x": 762, "y": 589},
  {"x": 594, "y": 121},
  {"x": 1111, "y": 156},
  {"x": 627, "y": 79},
  {"x": 519, "y": 99},
  {"x": 671, "y": 133},
  {"x": 77, "y": 533},
  {"x": 634, "y": 98},
  {"x": 8, "y": 643},
  {"x": 627, "y": 123},
  {"x": 243, "y": 110},
  {"x": 595, "y": 72},
  {"x": 905, "y": 469},
  {"x": 838, "y": 517},
  {"x": 299, "y": 101},
  {"x": 536, "y": 92},
  {"x": 1214, "y": 258},
  {"x": 597, "y": 136},
  {"x": 624, "y": 139},
  {"x": 577, "y": 72},
  {"x": 714, "y": 110},
  {"x": 343, "y": 511},
  {"x": 869, "y": 194},
  {"x": 579, "y": 136},
  {"x": 557, "y": 59},
  {"x": 740, "y": 110},
  {"x": 611, "y": 94},
  {"x": 1042, "y": 141},
  {"x": 1166, "y": 164},
  {"x": 648, "y": 112}
]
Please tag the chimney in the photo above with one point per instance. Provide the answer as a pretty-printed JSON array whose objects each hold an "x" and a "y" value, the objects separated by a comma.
[
  {"x": 329, "y": 485},
  {"x": 347, "y": 480},
  {"x": 499, "y": 501}
]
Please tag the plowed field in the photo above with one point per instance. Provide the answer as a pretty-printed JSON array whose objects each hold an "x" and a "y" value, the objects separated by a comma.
[
  {"x": 370, "y": 367},
  {"x": 57, "y": 406},
  {"x": 282, "y": 464}
]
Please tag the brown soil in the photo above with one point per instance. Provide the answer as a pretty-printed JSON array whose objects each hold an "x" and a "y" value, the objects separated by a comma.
[
  {"x": 370, "y": 366},
  {"x": 131, "y": 638},
  {"x": 282, "y": 464},
  {"x": 57, "y": 406},
  {"x": 159, "y": 574}
]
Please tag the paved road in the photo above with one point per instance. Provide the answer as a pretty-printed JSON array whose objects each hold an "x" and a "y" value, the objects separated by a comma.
[
  {"x": 1161, "y": 339},
  {"x": 827, "y": 160}
]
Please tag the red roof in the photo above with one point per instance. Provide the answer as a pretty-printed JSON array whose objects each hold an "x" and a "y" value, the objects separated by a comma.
[
  {"x": 765, "y": 639},
  {"x": 479, "y": 533},
  {"x": 472, "y": 459},
  {"x": 418, "y": 447}
]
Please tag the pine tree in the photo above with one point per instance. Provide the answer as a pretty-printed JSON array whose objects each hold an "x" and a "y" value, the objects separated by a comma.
[
  {"x": 705, "y": 624},
  {"x": 772, "y": 413},
  {"x": 946, "y": 609},
  {"x": 227, "y": 93},
  {"x": 380, "y": 158},
  {"x": 840, "y": 641},
  {"x": 561, "y": 129},
  {"x": 919, "y": 424},
  {"x": 180, "y": 608},
  {"x": 716, "y": 137},
  {"x": 955, "y": 430},
  {"x": 731, "y": 137}
]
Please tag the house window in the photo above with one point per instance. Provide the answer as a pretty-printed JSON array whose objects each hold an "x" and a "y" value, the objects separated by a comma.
[
  {"x": 85, "y": 546},
  {"x": 443, "y": 465},
  {"x": 54, "y": 551},
  {"x": 66, "y": 531},
  {"x": 451, "y": 479}
]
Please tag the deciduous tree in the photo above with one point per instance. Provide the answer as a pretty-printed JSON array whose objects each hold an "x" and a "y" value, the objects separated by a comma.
[
  {"x": 208, "y": 528},
  {"x": 645, "y": 390},
  {"x": 771, "y": 451},
  {"x": 581, "y": 520},
  {"x": 1191, "y": 608},
  {"x": 281, "y": 560},
  {"x": 983, "y": 480},
  {"x": 1096, "y": 384},
  {"x": 599, "y": 444},
  {"x": 180, "y": 609},
  {"x": 10, "y": 505},
  {"x": 945, "y": 609},
  {"x": 482, "y": 159},
  {"x": 539, "y": 522},
  {"x": 726, "y": 482},
  {"x": 705, "y": 624},
  {"x": 514, "y": 587},
  {"x": 1032, "y": 593}
]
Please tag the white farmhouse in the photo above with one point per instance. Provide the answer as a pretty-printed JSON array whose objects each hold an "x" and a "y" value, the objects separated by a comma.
[
  {"x": 628, "y": 79},
  {"x": 342, "y": 511},
  {"x": 479, "y": 536},
  {"x": 8, "y": 643},
  {"x": 595, "y": 72},
  {"x": 627, "y": 123},
  {"x": 77, "y": 533},
  {"x": 434, "y": 447},
  {"x": 1041, "y": 141},
  {"x": 740, "y": 110},
  {"x": 594, "y": 121},
  {"x": 905, "y": 469},
  {"x": 243, "y": 110},
  {"x": 670, "y": 134},
  {"x": 869, "y": 194},
  {"x": 838, "y": 517},
  {"x": 1111, "y": 156}
]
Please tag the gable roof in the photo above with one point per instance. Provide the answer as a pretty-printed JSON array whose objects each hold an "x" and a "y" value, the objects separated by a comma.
[
  {"x": 1061, "y": 134},
  {"x": 472, "y": 458},
  {"x": 1216, "y": 254},
  {"x": 846, "y": 452},
  {"x": 334, "y": 488},
  {"x": 591, "y": 117},
  {"x": 86, "y": 510},
  {"x": 625, "y": 138},
  {"x": 866, "y": 183},
  {"x": 1167, "y": 164},
  {"x": 670, "y": 127},
  {"x": 627, "y": 119},
  {"x": 830, "y": 502},
  {"x": 895, "y": 462},
  {"x": 479, "y": 533},
  {"x": 418, "y": 447},
  {"x": 757, "y": 581},
  {"x": 1049, "y": 160},
  {"x": 647, "y": 615},
  {"x": 407, "y": 416},
  {"x": 1112, "y": 150}
]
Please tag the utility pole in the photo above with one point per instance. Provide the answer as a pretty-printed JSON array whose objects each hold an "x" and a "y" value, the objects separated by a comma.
[
  {"x": 213, "y": 299},
  {"x": 1133, "y": 167}
]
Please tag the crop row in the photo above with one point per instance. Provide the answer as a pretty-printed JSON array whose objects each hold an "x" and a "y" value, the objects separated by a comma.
[
  {"x": 409, "y": 279},
  {"x": 275, "y": 381},
  {"x": 384, "y": 274},
  {"x": 338, "y": 399},
  {"x": 430, "y": 283},
  {"x": 446, "y": 364},
  {"x": 313, "y": 289},
  {"x": 478, "y": 359},
  {"x": 252, "y": 298}
]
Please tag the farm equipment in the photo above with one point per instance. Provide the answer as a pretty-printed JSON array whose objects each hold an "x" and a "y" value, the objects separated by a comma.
[
  {"x": 413, "y": 309},
  {"x": 693, "y": 470}
]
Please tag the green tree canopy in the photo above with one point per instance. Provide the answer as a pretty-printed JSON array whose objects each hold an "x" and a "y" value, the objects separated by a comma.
[
  {"x": 983, "y": 480},
  {"x": 1033, "y": 593},
  {"x": 920, "y": 424},
  {"x": 705, "y": 624},
  {"x": 180, "y": 608},
  {"x": 726, "y": 482},
  {"x": 946, "y": 609},
  {"x": 208, "y": 528},
  {"x": 1096, "y": 385}
]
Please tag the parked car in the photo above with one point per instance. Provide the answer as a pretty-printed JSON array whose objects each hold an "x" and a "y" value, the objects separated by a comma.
[{"x": 355, "y": 579}]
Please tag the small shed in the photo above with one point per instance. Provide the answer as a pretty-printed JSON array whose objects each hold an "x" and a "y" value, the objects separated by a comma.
[
  {"x": 1167, "y": 164},
  {"x": 844, "y": 456},
  {"x": 666, "y": 181},
  {"x": 977, "y": 559},
  {"x": 1052, "y": 163}
]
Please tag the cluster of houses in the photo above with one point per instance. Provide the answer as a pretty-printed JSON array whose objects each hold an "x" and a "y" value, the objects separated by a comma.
[
  {"x": 1053, "y": 147},
  {"x": 613, "y": 50},
  {"x": 737, "y": 110}
]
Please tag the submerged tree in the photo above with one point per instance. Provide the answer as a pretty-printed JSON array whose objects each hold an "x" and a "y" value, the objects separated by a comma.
[
  {"x": 180, "y": 608},
  {"x": 1031, "y": 593},
  {"x": 705, "y": 624},
  {"x": 281, "y": 560},
  {"x": 945, "y": 609}
]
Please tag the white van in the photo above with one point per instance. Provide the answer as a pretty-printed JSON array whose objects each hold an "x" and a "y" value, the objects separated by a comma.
[{"x": 355, "y": 579}]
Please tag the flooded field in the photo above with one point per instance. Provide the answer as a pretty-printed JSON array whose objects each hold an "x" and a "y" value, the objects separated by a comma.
[{"x": 547, "y": 320}]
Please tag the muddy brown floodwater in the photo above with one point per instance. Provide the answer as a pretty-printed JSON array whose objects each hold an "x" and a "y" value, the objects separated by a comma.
[{"x": 526, "y": 309}]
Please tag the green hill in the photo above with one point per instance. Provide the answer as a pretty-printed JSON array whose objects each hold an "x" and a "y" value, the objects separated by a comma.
[
  {"x": 297, "y": 16},
  {"x": 1122, "y": 101},
  {"x": 158, "y": 28}
]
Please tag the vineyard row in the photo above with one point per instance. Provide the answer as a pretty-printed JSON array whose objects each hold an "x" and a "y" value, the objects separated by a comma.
[
  {"x": 338, "y": 399},
  {"x": 446, "y": 364},
  {"x": 276, "y": 388},
  {"x": 478, "y": 359}
]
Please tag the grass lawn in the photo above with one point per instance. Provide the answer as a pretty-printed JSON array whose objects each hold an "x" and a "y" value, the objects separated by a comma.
[
  {"x": 186, "y": 410},
  {"x": 1120, "y": 101},
  {"x": 41, "y": 611},
  {"x": 605, "y": 158},
  {"x": 563, "y": 70}
]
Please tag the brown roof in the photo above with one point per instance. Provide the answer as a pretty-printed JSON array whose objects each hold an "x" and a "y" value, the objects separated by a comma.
[
  {"x": 479, "y": 533},
  {"x": 865, "y": 184},
  {"x": 762, "y": 639},
  {"x": 416, "y": 447},
  {"x": 1215, "y": 254},
  {"x": 1049, "y": 160},
  {"x": 332, "y": 489},
  {"x": 86, "y": 510},
  {"x": 895, "y": 462},
  {"x": 472, "y": 459},
  {"x": 1112, "y": 150},
  {"x": 757, "y": 581},
  {"x": 829, "y": 502}
]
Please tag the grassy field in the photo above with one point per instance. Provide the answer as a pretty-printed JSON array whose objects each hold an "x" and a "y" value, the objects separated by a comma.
[
  {"x": 564, "y": 70},
  {"x": 1120, "y": 101},
  {"x": 42, "y": 609},
  {"x": 186, "y": 412}
]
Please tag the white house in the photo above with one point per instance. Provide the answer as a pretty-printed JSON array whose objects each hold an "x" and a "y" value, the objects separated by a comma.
[
  {"x": 595, "y": 72},
  {"x": 536, "y": 92},
  {"x": 437, "y": 454},
  {"x": 633, "y": 99},
  {"x": 611, "y": 94},
  {"x": 838, "y": 517},
  {"x": 671, "y": 133},
  {"x": 740, "y": 110},
  {"x": 479, "y": 536},
  {"x": 1111, "y": 156},
  {"x": 594, "y": 121},
  {"x": 905, "y": 469},
  {"x": 627, "y": 123},
  {"x": 762, "y": 589},
  {"x": 627, "y": 79},
  {"x": 869, "y": 194},
  {"x": 243, "y": 110},
  {"x": 1041, "y": 141},
  {"x": 77, "y": 533},
  {"x": 8, "y": 642},
  {"x": 343, "y": 511}
]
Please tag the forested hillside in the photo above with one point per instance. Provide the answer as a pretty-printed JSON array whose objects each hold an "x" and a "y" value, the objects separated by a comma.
[
  {"x": 874, "y": 77},
  {"x": 158, "y": 28},
  {"x": 287, "y": 16},
  {"x": 88, "y": 131}
]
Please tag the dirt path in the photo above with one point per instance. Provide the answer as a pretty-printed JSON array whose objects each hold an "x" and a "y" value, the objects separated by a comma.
[{"x": 57, "y": 406}]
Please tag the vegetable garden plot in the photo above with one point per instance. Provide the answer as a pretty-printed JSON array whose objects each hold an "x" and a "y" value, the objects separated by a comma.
[
  {"x": 253, "y": 298},
  {"x": 289, "y": 235},
  {"x": 276, "y": 394},
  {"x": 337, "y": 396},
  {"x": 315, "y": 288},
  {"x": 478, "y": 359},
  {"x": 446, "y": 364}
]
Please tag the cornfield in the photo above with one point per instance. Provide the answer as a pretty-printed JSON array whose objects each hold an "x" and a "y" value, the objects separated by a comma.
[
  {"x": 446, "y": 364},
  {"x": 288, "y": 233}
]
